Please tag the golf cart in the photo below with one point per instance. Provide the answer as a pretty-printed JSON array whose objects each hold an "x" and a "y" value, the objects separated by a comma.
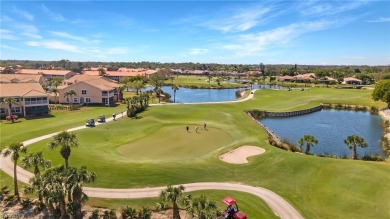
[
  {"x": 232, "y": 211},
  {"x": 90, "y": 123},
  {"x": 101, "y": 118}
]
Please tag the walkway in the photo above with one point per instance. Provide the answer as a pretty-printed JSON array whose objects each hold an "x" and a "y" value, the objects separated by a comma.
[{"x": 278, "y": 205}]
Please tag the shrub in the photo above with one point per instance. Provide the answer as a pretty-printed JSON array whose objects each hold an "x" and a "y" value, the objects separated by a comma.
[
  {"x": 26, "y": 203},
  {"x": 95, "y": 214}
]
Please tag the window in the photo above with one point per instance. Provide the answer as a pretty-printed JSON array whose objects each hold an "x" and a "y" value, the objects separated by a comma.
[
  {"x": 84, "y": 92},
  {"x": 67, "y": 99},
  {"x": 15, "y": 109},
  {"x": 87, "y": 100},
  {"x": 2, "y": 110},
  {"x": 75, "y": 100},
  {"x": 81, "y": 99}
]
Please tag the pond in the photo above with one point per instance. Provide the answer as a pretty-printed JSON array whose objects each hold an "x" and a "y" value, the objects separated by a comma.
[
  {"x": 188, "y": 95},
  {"x": 330, "y": 128}
]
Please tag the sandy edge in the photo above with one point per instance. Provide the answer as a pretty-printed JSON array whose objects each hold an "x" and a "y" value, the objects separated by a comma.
[{"x": 239, "y": 155}]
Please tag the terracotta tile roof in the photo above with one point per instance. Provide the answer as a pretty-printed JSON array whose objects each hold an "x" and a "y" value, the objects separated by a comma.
[
  {"x": 351, "y": 79},
  {"x": 19, "y": 78},
  {"x": 46, "y": 72},
  {"x": 286, "y": 77},
  {"x": 22, "y": 90},
  {"x": 122, "y": 73},
  {"x": 100, "y": 82}
]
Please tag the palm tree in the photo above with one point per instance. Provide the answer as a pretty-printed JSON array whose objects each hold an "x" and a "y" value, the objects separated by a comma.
[
  {"x": 15, "y": 149},
  {"x": 73, "y": 181},
  {"x": 65, "y": 140},
  {"x": 70, "y": 94},
  {"x": 353, "y": 141},
  {"x": 174, "y": 88},
  {"x": 55, "y": 91},
  {"x": 309, "y": 140},
  {"x": 10, "y": 101},
  {"x": 174, "y": 195},
  {"x": 36, "y": 160},
  {"x": 159, "y": 91},
  {"x": 202, "y": 208}
]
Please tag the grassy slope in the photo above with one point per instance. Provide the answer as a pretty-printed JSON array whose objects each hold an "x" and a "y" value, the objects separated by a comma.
[
  {"x": 319, "y": 187},
  {"x": 250, "y": 204}
]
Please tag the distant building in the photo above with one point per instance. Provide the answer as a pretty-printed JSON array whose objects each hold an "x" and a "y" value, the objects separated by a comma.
[
  {"x": 122, "y": 72},
  {"x": 48, "y": 74},
  {"x": 286, "y": 78},
  {"x": 351, "y": 80}
]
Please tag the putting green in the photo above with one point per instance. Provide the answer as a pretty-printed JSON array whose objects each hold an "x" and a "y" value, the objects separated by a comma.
[{"x": 174, "y": 143}]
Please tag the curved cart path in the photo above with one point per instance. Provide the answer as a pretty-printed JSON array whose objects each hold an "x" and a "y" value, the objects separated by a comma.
[{"x": 278, "y": 205}]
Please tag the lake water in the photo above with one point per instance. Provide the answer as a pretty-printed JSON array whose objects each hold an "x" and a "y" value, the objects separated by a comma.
[
  {"x": 187, "y": 95},
  {"x": 330, "y": 128}
]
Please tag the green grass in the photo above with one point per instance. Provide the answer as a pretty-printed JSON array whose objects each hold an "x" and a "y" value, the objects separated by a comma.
[
  {"x": 250, "y": 204},
  {"x": 60, "y": 120},
  {"x": 6, "y": 180},
  {"x": 202, "y": 81},
  {"x": 187, "y": 145},
  {"x": 317, "y": 187}
]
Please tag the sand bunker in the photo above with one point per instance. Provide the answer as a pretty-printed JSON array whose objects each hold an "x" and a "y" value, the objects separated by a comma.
[{"x": 239, "y": 155}]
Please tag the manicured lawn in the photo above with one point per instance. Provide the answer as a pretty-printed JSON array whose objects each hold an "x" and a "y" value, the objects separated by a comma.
[
  {"x": 60, "y": 120},
  {"x": 187, "y": 145},
  {"x": 317, "y": 187},
  {"x": 202, "y": 81},
  {"x": 250, "y": 204}
]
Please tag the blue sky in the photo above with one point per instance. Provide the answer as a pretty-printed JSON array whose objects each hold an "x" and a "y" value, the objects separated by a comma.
[{"x": 226, "y": 32}]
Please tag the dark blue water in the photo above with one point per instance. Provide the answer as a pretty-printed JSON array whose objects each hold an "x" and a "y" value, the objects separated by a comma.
[
  {"x": 330, "y": 128},
  {"x": 187, "y": 95}
]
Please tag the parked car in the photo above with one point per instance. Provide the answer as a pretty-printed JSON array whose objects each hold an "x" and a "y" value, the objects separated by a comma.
[{"x": 90, "y": 122}]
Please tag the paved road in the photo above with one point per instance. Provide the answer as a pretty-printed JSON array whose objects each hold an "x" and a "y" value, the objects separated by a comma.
[{"x": 278, "y": 205}]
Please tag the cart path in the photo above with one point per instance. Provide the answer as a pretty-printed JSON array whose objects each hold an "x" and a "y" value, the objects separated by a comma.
[{"x": 278, "y": 205}]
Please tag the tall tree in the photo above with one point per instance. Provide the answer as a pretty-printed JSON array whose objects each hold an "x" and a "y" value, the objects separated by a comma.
[
  {"x": 14, "y": 150},
  {"x": 309, "y": 141},
  {"x": 382, "y": 92},
  {"x": 175, "y": 196},
  {"x": 74, "y": 181},
  {"x": 174, "y": 88},
  {"x": 102, "y": 72},
  {"x": 65, "y": 140},
  {"x": 157, "y": 80},
  {"x": 354, "y": 141},
  {"x": 36, "y": 160},
  {"x": 10, "y": 101},
  {"x": 55, "y": 91}
]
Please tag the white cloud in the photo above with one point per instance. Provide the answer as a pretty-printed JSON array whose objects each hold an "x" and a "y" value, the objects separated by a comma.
[
  {"x": 116, "y": 51},
  {"x": 197, "y": 51},
  {"x": 51, "y": 14},
  {"x": 26, "y": 28},
  {"x": 23, "y": 13},
  {"x": 250, "y": 44},
  {"x": 32, "y": 35},
  {"x": 322, "y": 8},
  {"x": 7, "y": 35},
  {"x": 381, "y": 20},
  {"x": 69, "y": 36},
  {"x": 52, "y": 44},
  {"x": 239, "y": 20}
]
